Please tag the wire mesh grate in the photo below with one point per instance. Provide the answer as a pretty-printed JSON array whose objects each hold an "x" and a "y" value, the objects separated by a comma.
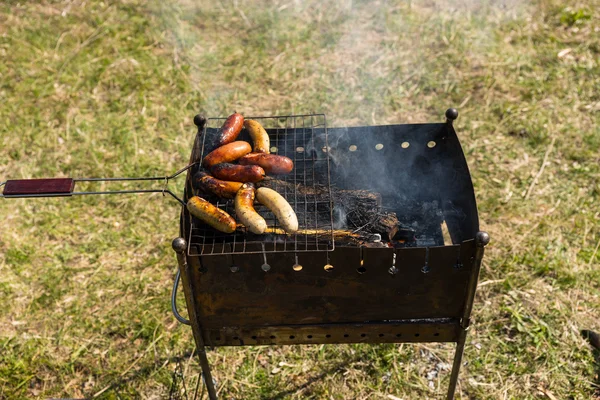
[{"x": 302, "y": 138}]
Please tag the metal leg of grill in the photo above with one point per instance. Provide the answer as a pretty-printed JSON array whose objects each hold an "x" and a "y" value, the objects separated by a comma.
[
  {"x": 208, "y": 379},
  {"x": 460, "y": 347}
]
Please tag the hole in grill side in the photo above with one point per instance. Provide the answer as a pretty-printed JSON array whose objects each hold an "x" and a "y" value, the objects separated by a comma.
[{"x": 361, "y": 270}]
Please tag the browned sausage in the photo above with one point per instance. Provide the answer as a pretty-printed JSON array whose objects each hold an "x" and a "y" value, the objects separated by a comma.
[
  {"x": 227, "y": 153},
  {"x": 211, "y": 214},
  {"x": 208, "y": 183},
  {"x": 238, "y": 173},
  {"x": 230, "y": 130},
  {"x": 271, "y": 163},
  {"x": 245, "y": 212}
]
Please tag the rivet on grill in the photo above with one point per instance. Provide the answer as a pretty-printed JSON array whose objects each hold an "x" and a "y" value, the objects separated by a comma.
[
  {"x": 265, "y": 267},
  {"x": 393, "y": 270},
  {"x": 273, "y": 149},
  {"x": 234, "y": 268},
  {"x": 378, "y": 146},
  {"x": 353, "y": 147},
  {"x": 297, "y": 267},
  {"x": 405, "y": 145},
  {"x": 300, "y": 149},
  {"x": 328, "y": 267},
  {"x": 425, "y": 268},
  {"x": 431, "y": 144}
]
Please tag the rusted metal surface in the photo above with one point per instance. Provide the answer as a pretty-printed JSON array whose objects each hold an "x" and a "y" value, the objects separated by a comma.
[
  {"x": 359, "y": 288},
  {"x": 432, "y": 330}
]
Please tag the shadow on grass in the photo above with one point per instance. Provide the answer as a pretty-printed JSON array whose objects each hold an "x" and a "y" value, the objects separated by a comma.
[
  {"x": 339, "y": 367},
  {"x": 177, "y": 380}
]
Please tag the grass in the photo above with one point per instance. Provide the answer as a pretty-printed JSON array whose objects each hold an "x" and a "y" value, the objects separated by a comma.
[{"x": 110, "y": 88}]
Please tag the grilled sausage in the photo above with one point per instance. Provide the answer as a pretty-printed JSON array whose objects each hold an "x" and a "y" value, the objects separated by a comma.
[
  {"x": 211, "y": 214},
  {"x": 209, "y": 183},
  {"x": 271, "y": 163},
  {"x": 227, "y": 153},
  {"x": 259, "y": 136},
  {"x": 244, "y": 210},
  {"x": 280, "y": 207},
  {"x": 230, "y": 130},
  {"x": 238, "y": 173}
]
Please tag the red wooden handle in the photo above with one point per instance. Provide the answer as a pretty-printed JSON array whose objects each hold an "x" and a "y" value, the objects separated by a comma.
[{"x": 55, "y": 186}]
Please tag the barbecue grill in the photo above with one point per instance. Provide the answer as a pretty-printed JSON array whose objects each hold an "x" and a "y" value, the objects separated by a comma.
[{"x": 316, "y": 286}]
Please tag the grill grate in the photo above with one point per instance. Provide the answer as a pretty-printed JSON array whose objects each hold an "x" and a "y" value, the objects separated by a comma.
[{"x": 302, "y": 138}]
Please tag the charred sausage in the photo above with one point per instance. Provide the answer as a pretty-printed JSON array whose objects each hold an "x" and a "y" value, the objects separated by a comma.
[
  {"x": 238, "y": 173},
  {"x": 244, "y": 210},
  {"x": 271, "y": 163},
  {"x": 209, "y": 183},
  {"x": 227, "y": 153},
  {"x": 211, "y": 214},
  {"x": 230, "y": 130},
  {"x": 280, "y": 207},
  {"x": 259, "y": 136}
]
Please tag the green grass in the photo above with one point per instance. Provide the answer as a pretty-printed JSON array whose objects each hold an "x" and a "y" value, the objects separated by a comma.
[{"x": 110, "y": 88}]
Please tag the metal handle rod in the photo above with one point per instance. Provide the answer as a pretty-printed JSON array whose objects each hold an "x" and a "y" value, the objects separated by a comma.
[
  {"x": 178, "y": 316},
  {"x": 150, "y": 178},
  {"x": 153, "y": 178}
]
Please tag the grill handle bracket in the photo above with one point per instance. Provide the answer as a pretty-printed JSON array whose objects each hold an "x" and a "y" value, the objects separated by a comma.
[{"x": 174, "y": 309}]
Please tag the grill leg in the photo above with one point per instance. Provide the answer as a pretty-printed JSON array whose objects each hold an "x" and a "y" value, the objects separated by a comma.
[
  {"x": 460, "y": 347},
  {"x": 208, "y": 379}
]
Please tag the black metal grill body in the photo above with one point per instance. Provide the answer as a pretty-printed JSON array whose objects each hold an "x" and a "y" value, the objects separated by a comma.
[{"x": 422, "y": 293}]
